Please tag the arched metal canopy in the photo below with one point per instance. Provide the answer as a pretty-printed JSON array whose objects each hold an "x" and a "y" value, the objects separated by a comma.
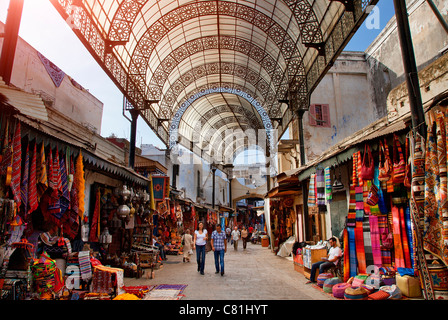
[{"x": 219, "y": 63}]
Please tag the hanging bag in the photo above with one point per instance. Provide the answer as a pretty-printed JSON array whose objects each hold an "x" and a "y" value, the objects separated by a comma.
[
  {"x": 399, "y": 163},
  {"x": 373, "y": 196},
  {"x": 385, "y": 169},
  {"x": 368, "y": 168}
]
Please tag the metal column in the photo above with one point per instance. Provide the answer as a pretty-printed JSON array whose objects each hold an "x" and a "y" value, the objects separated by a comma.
[
  {"x": 134, "y": 114},
  {"x": 410, "y": 68},
  {"x": 10, "y": 40}
]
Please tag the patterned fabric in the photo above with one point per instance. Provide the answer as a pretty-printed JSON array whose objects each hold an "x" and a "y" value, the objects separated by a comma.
[
  {"x": 80, "y": 184},
  {"x": 312, "y": 192},
  {"x": 367, "y": 241},
  {"x": 404, "y": 240},
  {"x": 32, "y": 185},
  {"x": 434, "y": 234},
  {"x": 16, "y": 165},
  {"x": 56, "y": 74}
]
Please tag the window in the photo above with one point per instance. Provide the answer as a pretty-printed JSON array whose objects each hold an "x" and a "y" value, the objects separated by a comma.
[{"x": 319, "y": 115}]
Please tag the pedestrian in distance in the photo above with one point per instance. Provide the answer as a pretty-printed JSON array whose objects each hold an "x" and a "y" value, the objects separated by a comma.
[
  {"x": 228, "y": 232},
  {"x": 219, "y": 247},
  {"x": 187, "y": 242},
  {"x": 244, "y": 236},
  {"x": 235, "y": 238},
  {"x": 199, "y": 242}
]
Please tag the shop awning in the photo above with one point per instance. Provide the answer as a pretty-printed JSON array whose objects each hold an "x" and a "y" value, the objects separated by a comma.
[
  {"x": 284, "y": 190},
  {"x": 26, "y": 103}
]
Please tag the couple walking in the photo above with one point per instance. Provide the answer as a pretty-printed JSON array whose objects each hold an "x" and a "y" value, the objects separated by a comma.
[{"x": 219, "y": 247}]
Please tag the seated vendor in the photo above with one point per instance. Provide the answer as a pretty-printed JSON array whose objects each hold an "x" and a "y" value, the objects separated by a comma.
[
  {"x": 334, "y": 254},
  {"x": 161, "y": 247}
]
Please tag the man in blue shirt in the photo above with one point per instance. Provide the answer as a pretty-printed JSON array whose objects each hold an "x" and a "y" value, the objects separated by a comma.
[{"x": 219, "y": 246}]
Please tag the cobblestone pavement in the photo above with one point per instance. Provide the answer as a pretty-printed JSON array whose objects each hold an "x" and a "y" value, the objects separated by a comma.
[{"x": 252, "y": 274}]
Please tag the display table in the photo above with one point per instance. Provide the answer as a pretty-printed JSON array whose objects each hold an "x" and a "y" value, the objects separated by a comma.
[{"x": 310, "y": 256}]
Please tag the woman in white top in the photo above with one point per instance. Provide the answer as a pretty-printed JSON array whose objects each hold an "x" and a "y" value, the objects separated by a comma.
[{"x": 200, "y": 240}]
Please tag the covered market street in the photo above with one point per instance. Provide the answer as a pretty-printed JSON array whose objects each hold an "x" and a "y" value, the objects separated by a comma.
[{"x": 254, "y": 274}]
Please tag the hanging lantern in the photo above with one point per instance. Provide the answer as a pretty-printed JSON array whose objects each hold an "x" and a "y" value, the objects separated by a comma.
[
  {"x": 105, "y": 237},
  {"x": 123, "y": 211},
  {"x": 125, "y": 193}
]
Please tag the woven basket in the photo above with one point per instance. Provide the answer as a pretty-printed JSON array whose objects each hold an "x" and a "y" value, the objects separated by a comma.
[
  {"x": 339, "y": 289},
  {"x": 356, "y": 293},
  {"x": 329, "y": 283},
  {"x": 322, "y": 277}
]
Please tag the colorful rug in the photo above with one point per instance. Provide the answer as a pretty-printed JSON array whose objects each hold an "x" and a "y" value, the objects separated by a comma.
[{"x": 166, "y": 292}]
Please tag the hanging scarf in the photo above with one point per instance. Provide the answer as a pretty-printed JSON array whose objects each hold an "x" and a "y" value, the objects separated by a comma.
[
  {"x": 57, "y": 181},
  {"x": 328, "y": 186},
  {"x": 346, "y": 256},
  {"x": 73, "y": 191},
  {"x": 16, "y": 165},
  {"x": 80, "y": 183},
  {"x": 54, "y": 204},
  {"x": 24, "y": 186},
  {"x": 375, "y": 239},
  {"x": 42, "y": 180},
  {"x": 398, "y": 247},
  {"x": 95, "y": 219},
  {"x": 320, "y": 187},
  {"x": 312, "y": 192},
  {"x": 65, "y": 196},
  {"x": 359, "y": 231},
  {"x": 32, "y": 185}
]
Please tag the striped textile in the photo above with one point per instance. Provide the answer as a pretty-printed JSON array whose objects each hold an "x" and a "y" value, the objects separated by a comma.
[
  {"x": 375, "y": 238},
  {"x": 352, "y": 250},
  {"x": 16, "y": 165},
  {"x": 328, "y": 189},
  {"x": 398, "y": 247},
  {"x": 24, "y": 183},
  {"x": 32, "y": 184},
  {"x": 404, "y": 240},
  {"x": 386, "y": 255},
  {"x": 346, "y": 255},
  {"x": 84, "y": 265},
  {"x": 93, "y": 237},
  {"x": 312, "y": 192},
  {"x": 409, "y": 235},
  {"x": 320, "y": 187},
  {"x": 351, "y": 217},
  {"x": 367, "y": 241},
  {"x": 57, "y": 172},
  {"x": 359, "y": 237}
]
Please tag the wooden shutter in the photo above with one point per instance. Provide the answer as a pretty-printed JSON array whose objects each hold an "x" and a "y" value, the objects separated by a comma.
[
  {"x": 326, "y": 116},
  {"x": 312, "y": 115}
]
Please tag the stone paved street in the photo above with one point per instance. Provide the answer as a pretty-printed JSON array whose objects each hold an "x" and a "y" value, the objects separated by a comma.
[{"x": 254, "y": 274}]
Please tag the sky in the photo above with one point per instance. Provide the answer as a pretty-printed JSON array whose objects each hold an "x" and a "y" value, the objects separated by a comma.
[{"x": 44, "y": 29}]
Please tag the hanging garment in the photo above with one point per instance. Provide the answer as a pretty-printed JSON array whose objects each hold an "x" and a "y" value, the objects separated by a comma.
[
  {"x": 383, "y": 227},
  {"x": 32, "y": 184},
  {"x": 352, "y": 250},
  {"x": 367, "y": 241},
  {"x": 24, "y": 184},
  {"x": 41, "y": 171},
  {"x": 65, "y": 195},
  {"x": 95, "y": 219},
  {"x": 80, "y": 183},
  {"x": 404, "y": 240},
  {"x": 16, "y": 165}
]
